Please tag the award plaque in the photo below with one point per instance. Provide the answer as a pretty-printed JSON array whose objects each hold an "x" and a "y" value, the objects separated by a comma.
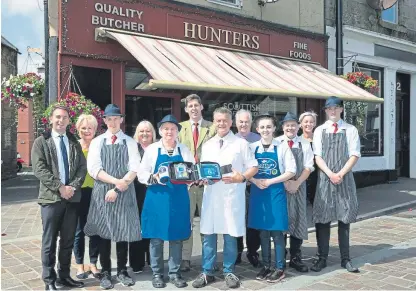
[{"x": 211, "y": 171}]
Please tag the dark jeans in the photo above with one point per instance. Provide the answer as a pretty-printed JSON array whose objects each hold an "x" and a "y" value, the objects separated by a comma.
[
  {"x": 175, "y": 256},
  {"x": 79, "y": 242},
  {"x": 253, "y": 241},
  {"x": 57, "y": 218},
  {"x": 279, "y": 248},
  {"x": 323, "y": 233},
  {"x": 105, "y": 255}
]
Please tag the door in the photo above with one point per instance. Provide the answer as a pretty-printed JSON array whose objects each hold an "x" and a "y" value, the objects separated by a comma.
[
  {"x": 403, "y": 125},
  {"x": 139, "y": 108}
]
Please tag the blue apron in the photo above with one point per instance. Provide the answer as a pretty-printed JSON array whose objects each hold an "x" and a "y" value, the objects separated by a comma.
[
  {"x": 165, "y": 212},
  {"x": 268, "y": 207}
]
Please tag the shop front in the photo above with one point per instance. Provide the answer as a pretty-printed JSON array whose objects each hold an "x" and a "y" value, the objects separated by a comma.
[{"x": 148, "y": 55}]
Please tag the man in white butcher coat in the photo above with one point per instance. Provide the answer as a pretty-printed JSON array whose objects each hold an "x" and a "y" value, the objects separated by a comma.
[{"x": 223, "y": 204}]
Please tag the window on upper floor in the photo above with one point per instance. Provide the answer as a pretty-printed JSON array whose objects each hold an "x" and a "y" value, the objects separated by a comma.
[
  {"x": 230, "y": 3},
  {"x": 390, "y": 15}
]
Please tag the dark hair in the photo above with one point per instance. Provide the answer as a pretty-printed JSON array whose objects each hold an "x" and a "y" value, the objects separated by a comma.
[
  {"x": 59, "y": 106},
  {"x": 191, "y": 97},
  {"x": 263, "y": 117}
]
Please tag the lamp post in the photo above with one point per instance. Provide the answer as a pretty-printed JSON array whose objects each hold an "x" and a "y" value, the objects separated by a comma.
[
  {"x": 46, "y": 31},
  {"x": 339, "y": 35}
]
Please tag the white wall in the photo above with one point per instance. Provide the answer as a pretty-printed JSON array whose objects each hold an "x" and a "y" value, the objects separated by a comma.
[{"x": 361, "y": 43}]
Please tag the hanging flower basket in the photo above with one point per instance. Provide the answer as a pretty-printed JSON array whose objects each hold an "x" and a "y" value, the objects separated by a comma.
[
  {"x": 77, "y": 105},
  {"x": 363, "y": 81},
  {"x": 19, "y": 89}
]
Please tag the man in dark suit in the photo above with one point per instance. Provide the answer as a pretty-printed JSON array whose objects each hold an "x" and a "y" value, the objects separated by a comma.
[
  {"x": 193, "y": 134},
  {"x": 60, "y": 166}
]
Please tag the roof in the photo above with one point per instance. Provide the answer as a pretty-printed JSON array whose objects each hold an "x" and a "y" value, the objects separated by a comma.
[{"x": 7, "y": 43}]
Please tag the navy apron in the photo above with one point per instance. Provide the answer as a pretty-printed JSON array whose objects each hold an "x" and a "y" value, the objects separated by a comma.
[
  {"x": 268, "y": 207},
  {"x": 165, "y": 212}
]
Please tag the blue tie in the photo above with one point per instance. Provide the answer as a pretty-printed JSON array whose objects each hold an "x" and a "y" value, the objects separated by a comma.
[{"x": 65, "y": 157}]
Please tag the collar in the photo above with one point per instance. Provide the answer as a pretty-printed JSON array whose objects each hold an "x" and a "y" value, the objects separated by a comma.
[
  {"x": 199, "y": 122},
  {"x": 341, "y": 124},
  {"x": 228, "y": 136},
  {"x": 285, "y": 138},
  {"x": 118, "y": 134},
  {"x": 56, "y": 134}
]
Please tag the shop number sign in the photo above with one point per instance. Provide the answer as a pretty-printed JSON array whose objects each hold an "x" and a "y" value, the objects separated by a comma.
[{"x": 131, "y": 23}]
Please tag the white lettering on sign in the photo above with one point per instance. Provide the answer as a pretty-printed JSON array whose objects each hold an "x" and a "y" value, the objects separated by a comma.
[
  {"x": 300, "y": 52},
  {"x": 116, "y": 23},
  {"x": 234, "y": 107}
]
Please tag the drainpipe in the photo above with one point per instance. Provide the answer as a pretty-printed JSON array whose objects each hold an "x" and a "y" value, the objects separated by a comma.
[
  {"x": 46, "y": 31},
  {"x": 339, "y": 36}
]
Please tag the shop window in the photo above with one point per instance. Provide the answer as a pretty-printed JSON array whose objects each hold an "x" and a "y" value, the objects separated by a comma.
[
  {"x": 368, "y": 117},
  {"x": 391, "y": 14},
  {"x": 136, "y": 78},
  {"x": 231, "y": 3}
]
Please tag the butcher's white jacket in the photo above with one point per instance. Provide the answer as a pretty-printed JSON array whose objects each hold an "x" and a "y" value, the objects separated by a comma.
[
  {"x": 223, "y": 205},
  {"x": 307, "y": 151}
]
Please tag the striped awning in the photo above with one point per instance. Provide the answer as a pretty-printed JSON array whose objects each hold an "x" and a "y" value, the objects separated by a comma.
[{"x": 189, "y": 66}]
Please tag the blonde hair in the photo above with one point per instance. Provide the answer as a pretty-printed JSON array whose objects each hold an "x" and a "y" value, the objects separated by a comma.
[
  {"x": 308, "y": 113},
  {"x": 150, "y": 125},
  {"x": 90, "y": 119}
]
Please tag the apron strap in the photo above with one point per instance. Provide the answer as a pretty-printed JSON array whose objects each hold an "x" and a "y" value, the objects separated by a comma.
[
  {"x": 179, "y": 151},
  {"x": 256, "y": 151}
]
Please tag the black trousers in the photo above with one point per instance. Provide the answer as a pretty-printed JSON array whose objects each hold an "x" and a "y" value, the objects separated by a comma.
[
  {"x": 253, "y": 241},
  {"x": 105, "y": 255},
  {"x": 79, "y": 242},
  {"x": 295, "y": 245},
  {"x": 323, "y": 233},
  {"x": 59, "y": 218}
]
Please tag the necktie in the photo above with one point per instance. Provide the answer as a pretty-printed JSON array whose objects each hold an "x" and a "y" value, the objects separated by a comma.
[
  {"x": 336, "y": 127},
  {"x": 113, "y": 139},
  {"x": 290, "y": 142},
  {"x": 196, "y": 137},
  {"x": 65, "y": 157},
  {"x": 221, "y": 143}
]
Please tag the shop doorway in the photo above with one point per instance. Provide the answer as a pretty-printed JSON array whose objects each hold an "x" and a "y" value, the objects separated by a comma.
[
  {"x": 403, "y": 125},
  {"x": 152, "y": 109}
]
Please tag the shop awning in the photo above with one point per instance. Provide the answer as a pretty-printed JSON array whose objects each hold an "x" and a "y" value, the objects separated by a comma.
[{"x": 187, "y": 66}]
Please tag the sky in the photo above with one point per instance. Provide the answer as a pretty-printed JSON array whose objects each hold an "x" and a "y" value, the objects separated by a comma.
[{"x": 22, "y": 25}]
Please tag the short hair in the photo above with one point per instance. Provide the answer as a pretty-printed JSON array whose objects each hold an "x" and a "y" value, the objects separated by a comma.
[
  {"x": 242, "y": 111},
  {"x": 263, "y": 117},
  {"x": 223, "y": 110},
  {"x": 192, "y": 97},
  {"x": 308, "y": 113},
  {"x": 89, "y": 118},
  {"x": 59, "y": 106},
  {"x": 149, "y": 124}
]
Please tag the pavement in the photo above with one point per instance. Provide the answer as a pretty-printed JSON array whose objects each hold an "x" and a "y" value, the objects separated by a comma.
[{"x": 383, "y": 245}]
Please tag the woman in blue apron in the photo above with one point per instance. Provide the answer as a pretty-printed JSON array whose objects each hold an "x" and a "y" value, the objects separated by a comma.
[
  {"x": 165, "y": 214},
  {"x": 268, "y": 204}
]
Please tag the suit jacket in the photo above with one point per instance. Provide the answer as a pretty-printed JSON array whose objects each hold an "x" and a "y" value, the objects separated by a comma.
[
  {"x": 205, "y": 133},
  {"x": 46, "y": 169}
]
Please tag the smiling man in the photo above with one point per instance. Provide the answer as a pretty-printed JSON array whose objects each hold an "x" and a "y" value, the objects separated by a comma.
[{"x": 337, "y": 149}]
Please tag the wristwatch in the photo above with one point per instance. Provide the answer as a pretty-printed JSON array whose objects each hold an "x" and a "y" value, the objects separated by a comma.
[{"x": 117, "y": 190}]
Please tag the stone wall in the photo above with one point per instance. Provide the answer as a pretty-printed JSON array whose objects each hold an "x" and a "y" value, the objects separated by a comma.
[
  {"x": 358, "y": 14},
  {"x": 8, "y": 118}
]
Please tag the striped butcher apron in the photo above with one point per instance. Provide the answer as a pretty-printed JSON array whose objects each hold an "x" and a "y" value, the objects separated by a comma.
[
  {"x": 117, "y": 221},
  {"x": 296, "y": 203},
  {"x": 335, "y": 202}
]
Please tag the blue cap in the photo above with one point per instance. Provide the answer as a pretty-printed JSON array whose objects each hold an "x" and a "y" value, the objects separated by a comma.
[
  {"x": 169, "y": 118},
  {"x": 112, "y": 110},
  {"x": 333, "y": 101},
  {"x": 289, "y": 117}
]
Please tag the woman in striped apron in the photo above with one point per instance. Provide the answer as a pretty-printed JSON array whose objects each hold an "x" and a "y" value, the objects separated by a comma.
[
  {"x": 296, "y": 189},
  {"x": 337, "y": 150},
  {"x": 268, "y": 206}
]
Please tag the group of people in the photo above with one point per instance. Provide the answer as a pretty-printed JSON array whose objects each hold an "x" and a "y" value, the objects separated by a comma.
[{"x": 109, "y": 189}]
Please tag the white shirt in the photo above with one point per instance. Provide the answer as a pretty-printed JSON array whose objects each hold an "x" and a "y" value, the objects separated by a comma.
[
  {"x": 148, "y": 164},
  {"x": 351, "y": 132},
  {"x": 306, "y": 150},
  {"x": 193, "y": 126},
  {"x": 57, "y": 141},
  {"x": 94, "y": 163},
  {"x": 285, "y": 158}
]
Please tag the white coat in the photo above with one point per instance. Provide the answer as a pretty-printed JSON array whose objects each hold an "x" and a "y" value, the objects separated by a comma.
[{"x": 223, "y": 205}]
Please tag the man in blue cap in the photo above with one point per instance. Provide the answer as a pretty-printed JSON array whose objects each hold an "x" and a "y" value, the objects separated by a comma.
[
  {"x": 337, "y": 149},
  {"x": 113, "y": 161},
  {"x": 296, "y": 188}
]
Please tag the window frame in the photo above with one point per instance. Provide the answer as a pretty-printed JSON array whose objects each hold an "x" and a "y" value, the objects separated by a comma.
[
  {"x": 238, "y": 3},
  {"x": 396, "y": 14}
]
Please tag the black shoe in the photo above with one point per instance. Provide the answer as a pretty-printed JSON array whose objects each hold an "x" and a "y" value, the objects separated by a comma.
[
  {"x": 276, "y": 276},
  {"x": 346, "y": 264},
  {"x": 50, "y": 286},
  {"x": 253, "y": 259},
  {"x": 178, "y": 281},
  {"x": 105, "y": 280},
  {"x": 297, "y": 264},
  {"x": 125, "y": 279},
  {"x": 263, "y": 274},
  {"x": 69, "y": 282},
  {"x": 138, "y": 270},
  {"x": 185, "y": 266},
  {"x": 232, "y": 281},
  {"x": 238, "y": 261},
  {"x": 319, "y": 265},
  {"x": 202, "y": 280},
  {"x": 158, "y": 281}
]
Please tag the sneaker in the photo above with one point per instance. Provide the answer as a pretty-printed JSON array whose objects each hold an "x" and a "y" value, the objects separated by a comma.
[
  {"x": 263, "y": 274},
  {"x": 178, "y": 281},
  {"x": 138, "y": 270},
  {"x": 202, "y": 280},
  {"x": 319, "y": 265},
  {"x": 125, "y": 279},
  {"x": 105, "y": 281},
  {"x": 276, "y": 276},
  {"x": 232, "y": 281},
  {"x": 298, "y": 265},
  {"x": 158, "y": 281}
]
